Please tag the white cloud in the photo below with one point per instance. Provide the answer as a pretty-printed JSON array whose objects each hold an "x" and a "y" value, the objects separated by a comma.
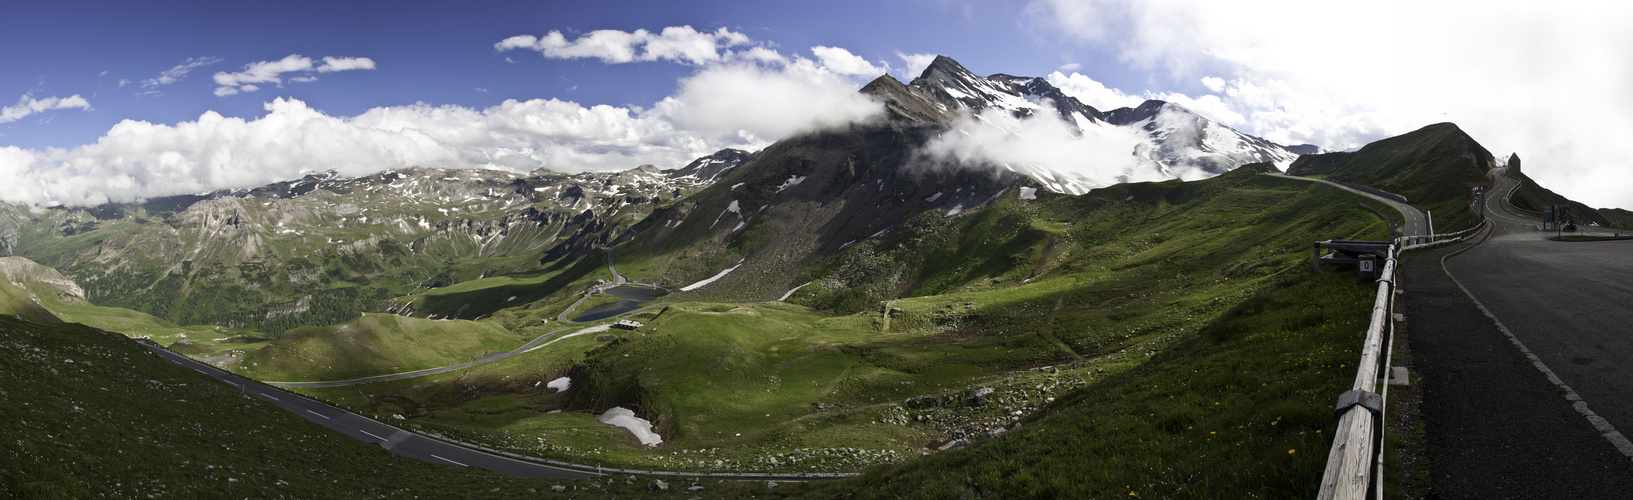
[
  {"x": 1213, "y": 83},
  {"x": 844, "y": 62},
  {"x": 1043, "y": 143},
  {"x": 123, "y": 82},
  {"x": 915, "y": 64},
  {"x": 333, "y": 64},
  {"x": 767, "y": 103},
  {"x": 178, "y": 72},
  {"x": 136, "y": 160},
  {"x": 263, "y": 72},
  {"x": 1546, "y": 80},
  {"x": 1092, "y": 92},
  {"x": 1070, "y": 67},
  {"x": 746, "y": 99},
  {"x": 675, "y": 43},
  {"x": 28, "y": 105}
]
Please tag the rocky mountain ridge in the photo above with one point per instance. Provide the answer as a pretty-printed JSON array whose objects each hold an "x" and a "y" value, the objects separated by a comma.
[
  {"x": 318, "y": 249},
  {"x": 1173, "y": 142}
]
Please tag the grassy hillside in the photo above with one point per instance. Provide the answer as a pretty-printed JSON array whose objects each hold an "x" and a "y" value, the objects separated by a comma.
[
  {"x": 1620, "y": 219},
  {"x": 1532, "y": 196},
  {"x": 1162, "y": 339},
  {"x": 1434, "y": 167},
  {"x": 375, "y": 344},
  {"x": 91, "y": 414},
  {"x": 1240, "y": 410},
  {"x": 1056, "y": 303}
]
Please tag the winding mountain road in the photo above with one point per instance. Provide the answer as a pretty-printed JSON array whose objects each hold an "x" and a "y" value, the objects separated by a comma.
[
  {"x": 396, "y": 440},
  {"x": 618, "y": 279},
  {"x": 1415, "y": 223},
  {"x": 1523, "y": 350}
]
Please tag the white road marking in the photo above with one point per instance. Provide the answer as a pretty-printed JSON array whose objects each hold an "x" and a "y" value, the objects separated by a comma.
[
  {"x": 269, "y": 396},
  {"x": 318, "y": 414},
  {"x": 200, "y": 371},
  {"x": 372, "y": 434},
  {"x": 449, "y": 461}
]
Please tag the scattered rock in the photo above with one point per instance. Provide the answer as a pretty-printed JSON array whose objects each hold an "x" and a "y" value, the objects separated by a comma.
[{"x": 657, "y": 485}]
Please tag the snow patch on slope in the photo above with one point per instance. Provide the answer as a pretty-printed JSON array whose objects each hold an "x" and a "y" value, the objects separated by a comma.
[
  {"x": 711, "y": 279},
  {"x": 793, "y": 180},
  {"x": 640, "y": 427}
]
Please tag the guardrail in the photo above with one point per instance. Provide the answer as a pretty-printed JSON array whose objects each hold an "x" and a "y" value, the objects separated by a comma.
[{"x": 1355, "y": 462}]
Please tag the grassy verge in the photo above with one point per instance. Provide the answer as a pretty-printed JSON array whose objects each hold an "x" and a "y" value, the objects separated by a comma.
[{"x": 1240, "y": 410}]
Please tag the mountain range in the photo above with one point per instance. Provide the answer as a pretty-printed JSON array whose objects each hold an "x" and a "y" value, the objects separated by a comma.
[{"x": 844, "y": 298}]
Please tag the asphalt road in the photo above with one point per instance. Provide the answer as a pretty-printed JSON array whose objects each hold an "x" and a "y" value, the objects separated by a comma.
[
  {"x": 1496, "y": 425},
  {"x": 1571, "y": 303},
  {"x": 396, "y": 440}
]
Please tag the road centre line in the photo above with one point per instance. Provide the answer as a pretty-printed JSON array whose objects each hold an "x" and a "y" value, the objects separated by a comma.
[
  {"x": 449, "y": 461},
  {"x": 372, "y": 434},
  {"x": 319, "y": 414}
]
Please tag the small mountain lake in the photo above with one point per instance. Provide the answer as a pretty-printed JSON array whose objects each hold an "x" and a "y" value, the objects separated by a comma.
[{"x": 633, "y": 297}]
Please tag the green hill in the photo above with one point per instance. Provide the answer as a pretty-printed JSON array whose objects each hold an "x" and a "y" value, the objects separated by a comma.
[
  {"x": 91, "y": 414},
  {"x": 1434, "y": 168},
  {"x": 1532, "y": 196},
  {"x": 374, "y": 344}
]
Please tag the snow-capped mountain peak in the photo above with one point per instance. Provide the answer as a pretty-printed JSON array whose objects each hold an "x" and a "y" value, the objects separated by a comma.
[{"x": 1169, "y": 141}]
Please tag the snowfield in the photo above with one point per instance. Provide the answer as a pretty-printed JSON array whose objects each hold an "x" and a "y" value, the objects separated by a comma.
[{"x": 621, "y": 417}]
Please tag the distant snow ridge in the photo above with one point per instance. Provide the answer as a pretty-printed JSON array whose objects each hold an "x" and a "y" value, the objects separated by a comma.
[{"x": 622, "y": 417}]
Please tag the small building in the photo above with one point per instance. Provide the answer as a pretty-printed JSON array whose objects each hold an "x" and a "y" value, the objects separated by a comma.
[{"x": 627, "y": 324}]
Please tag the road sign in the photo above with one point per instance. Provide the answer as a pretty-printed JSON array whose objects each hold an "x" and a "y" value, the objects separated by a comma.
[{"x": 1547, "y": 213}]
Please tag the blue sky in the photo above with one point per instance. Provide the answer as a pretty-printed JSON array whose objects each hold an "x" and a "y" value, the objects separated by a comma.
[
  {"x": 117, "y": 101},
  {"x": 442, "y": 52}
]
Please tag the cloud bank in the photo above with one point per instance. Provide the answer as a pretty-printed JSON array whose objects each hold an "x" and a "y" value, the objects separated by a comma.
[
  {"x": 28, "y": 105},
  {"x": 1043, "y": 144},
  {"x": 741, "y": 95},
  {"x": 1541, "y": 79}
]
